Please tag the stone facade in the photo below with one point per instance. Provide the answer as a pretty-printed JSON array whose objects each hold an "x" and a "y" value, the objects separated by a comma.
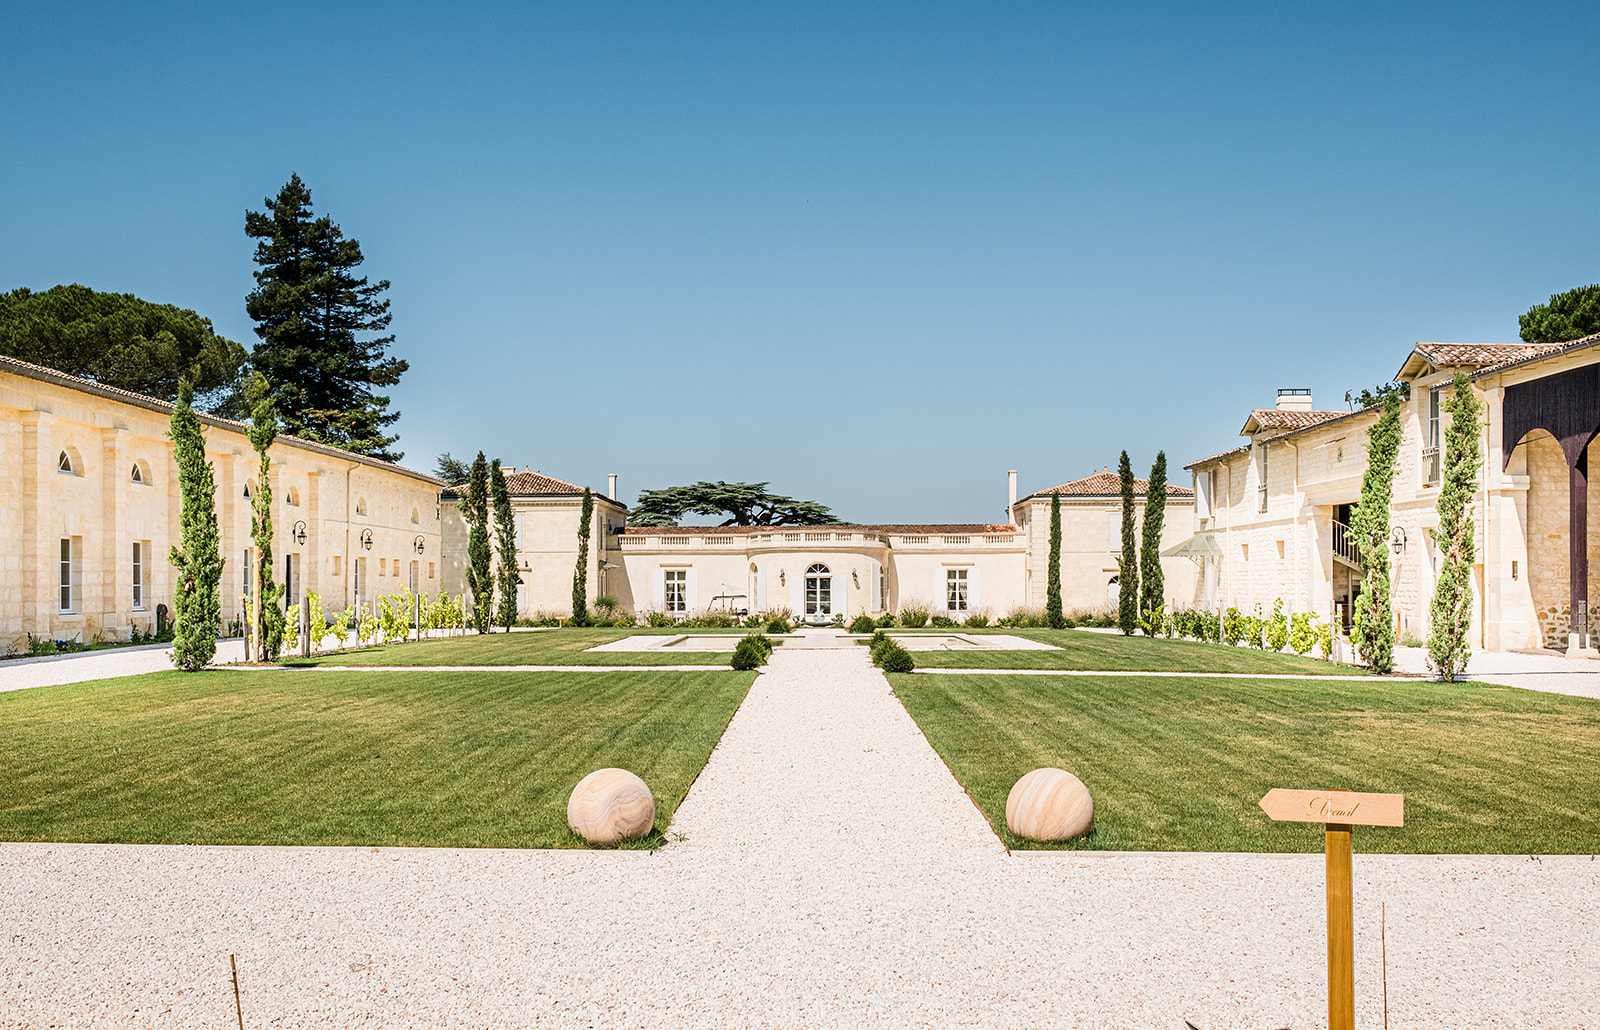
[{"x": 92, "y": 512}]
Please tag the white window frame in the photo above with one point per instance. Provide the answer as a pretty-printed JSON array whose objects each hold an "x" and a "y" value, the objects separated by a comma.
[
  {"x": 675, "y": 591},
  {"x": 1262, "y": 506},
  {"x": 64, "y": 465},
  {"x": 68, "y": 579},
  {"x": 138, "y": 573},
  {"x": 1431, "y": 471},
  {"x": 957, "y": 590}
]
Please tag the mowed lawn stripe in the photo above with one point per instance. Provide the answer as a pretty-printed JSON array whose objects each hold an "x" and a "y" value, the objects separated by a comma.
[
  {"x": 411, "y": 758},
  {"x": 566, "y": 646},
  {"x": 1180, "y": 764},
  {"x": 1113, "y": 652}
]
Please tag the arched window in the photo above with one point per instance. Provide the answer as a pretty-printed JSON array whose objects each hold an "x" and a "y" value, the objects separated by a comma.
[
  {"x": 247, "y": 490},
  {"x": 819, "y": 591},
  {"x": 140, "y": 473},
  {"x": 292, "y": 498},
  {"x": 64, "y": 465},
  {"x": 1114, "y": 593},
  {"x": 416, "y": 517},
  {"x": 361, "y": 505}
]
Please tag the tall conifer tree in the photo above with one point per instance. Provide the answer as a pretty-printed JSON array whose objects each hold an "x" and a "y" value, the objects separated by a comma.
[
  {"x": 1128, "y": 565},
  {"x": 475, "y": 513},
  {"x": 505, "y": 533},
  {"x": 580, "y": 575},
  {"x": 1053, "y": 616},
  {"x": 1152, "y": 580},
  {"x": 266, "y": 596},
  {"x": 1374, "y": 615},
  {"x": 1448, "y": 648},
  {"x": 196, "y": 606},
  {"x": 316, "y": 318}
]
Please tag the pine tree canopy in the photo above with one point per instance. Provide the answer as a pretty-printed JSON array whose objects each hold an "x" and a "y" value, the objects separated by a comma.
[
  {"x": 120, "y": 340},
  {"x": 1569, "y": 316},
  {"x": 452, "y": 470},
  {"x": 316, "y": 319},
  {"x": 745, "y": 504}
]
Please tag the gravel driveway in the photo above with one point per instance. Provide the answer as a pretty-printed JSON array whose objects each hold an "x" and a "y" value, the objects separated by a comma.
[{"x": 832, "y": 874}]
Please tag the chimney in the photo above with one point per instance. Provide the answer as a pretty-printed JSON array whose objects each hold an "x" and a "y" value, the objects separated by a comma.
[
  {"x": 611, "y": 488},
  {"x": 1011, "y": 492},
  {"x": 1294, "y": 400}
]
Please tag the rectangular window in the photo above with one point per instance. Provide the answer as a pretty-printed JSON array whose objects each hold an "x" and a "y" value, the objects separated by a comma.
[
  {"x": 67, "y": 570},
  {"x": 955, "y": 581},
  {"x": 138, "y": 576},
  {"x": 361, "y": 579},
  {"x": 249, "y": 571},
  {"x": 1114, "y": 532},
  {"x": 1263, "y": 504},
  {"x": 1430, "y": 445},
  {"x": 677, "y": 590},
  {"x": 883, "y": 587},
  {"x": 338, "y": 566},
  {"x": 383, "y": 566},
  {"x": 413, "y": 584},
  {"x": 288, "y": 579},
  {"x": 430, "y": 570}
]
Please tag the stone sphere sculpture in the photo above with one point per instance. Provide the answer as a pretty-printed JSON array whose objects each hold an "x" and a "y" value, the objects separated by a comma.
[
  {"x": 1049, "y": 804},
  {"x": 610, "y": 806}
]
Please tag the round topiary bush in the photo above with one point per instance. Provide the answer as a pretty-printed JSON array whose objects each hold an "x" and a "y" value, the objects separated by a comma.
[
  {"x": 897, "y": 659},
  {"x": 863, "y": 624},
  {"x": 779, "y": 624},
  {"x": 749, "y": 655}
]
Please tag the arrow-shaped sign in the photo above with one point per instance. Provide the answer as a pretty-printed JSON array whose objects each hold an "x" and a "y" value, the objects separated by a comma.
[{"x": 1335, "y": 806}]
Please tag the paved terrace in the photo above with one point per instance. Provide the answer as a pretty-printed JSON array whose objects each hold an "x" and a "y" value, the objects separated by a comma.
[{"x": 830, "y": 873}]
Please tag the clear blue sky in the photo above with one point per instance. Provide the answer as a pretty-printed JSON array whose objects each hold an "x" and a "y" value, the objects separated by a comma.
[{"x": 876, "y": 254}]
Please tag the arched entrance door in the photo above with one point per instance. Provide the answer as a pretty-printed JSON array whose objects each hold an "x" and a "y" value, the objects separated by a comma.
[{"x": 819, "y": 592}]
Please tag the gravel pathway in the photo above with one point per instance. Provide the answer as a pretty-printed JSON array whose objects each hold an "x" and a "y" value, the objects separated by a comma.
[
  {"x": 831, "y": 874},
  {"x": 22, "y": 673}
]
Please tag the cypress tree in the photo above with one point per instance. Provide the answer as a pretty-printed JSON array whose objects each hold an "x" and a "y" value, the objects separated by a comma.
[
  {"x": 1128, "y": 564},
  {"x": 1052, "y": 604},
  {"x": 1448, "y": 651},
  {"x": 1374, "y": 615},
  {"x": 315, "y": 316},
  {"x": 505, "y": 532},
  {"x": 475, "y": 513},
  {"x": 196, "y": 606},
  {"x": 269, "y": 618},
  {"x": 1152, "y": 581},
  {"x": 580, "y": 576}
]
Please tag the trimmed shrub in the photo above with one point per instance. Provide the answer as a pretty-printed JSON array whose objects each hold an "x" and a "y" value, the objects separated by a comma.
[
  {"x": 913, "y": 618},
  {"x": 978, "y": 620},
  {"x": 897, "y": 659},
  {"x": 875, "y": 647},
  {"x": 943, "y": 622},
  {"x": 748, "y": 655},
  {"x": 862, "y": 623},
  {"x": 779, "y": 624},
  {"x": 886, "y": 620}
]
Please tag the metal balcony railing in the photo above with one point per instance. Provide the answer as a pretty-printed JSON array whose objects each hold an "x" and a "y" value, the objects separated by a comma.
[{"x": 1345, "y": 544}]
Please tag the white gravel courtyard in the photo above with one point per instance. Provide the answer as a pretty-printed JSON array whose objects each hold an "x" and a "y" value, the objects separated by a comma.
[{"x": 831, "y": 873}]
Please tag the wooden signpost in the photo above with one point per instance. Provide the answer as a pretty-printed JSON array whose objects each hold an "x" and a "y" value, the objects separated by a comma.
[{"x": 1338, "y": 810}]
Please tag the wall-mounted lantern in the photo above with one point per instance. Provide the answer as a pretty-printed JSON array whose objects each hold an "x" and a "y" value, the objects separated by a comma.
[
  {"x": 780, "y": 577},
  {"x": 299, "y": 533},
  {"x": 855, "y": 579},
  {"x": 1397, "y": 540},
  {"x": 366, "y": 539},
  {"x": 420, "y": 544}
]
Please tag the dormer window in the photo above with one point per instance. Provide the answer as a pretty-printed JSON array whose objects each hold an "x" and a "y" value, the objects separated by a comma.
[{"x": 64, "y": 465}]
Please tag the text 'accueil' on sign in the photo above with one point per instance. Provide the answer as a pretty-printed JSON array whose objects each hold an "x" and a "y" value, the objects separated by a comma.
[{"x": 1334, "y": 806}]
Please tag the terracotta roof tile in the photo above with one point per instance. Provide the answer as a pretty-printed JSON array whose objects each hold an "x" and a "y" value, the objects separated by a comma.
[
  {"x": 1442, "y": 354},
  {"x": 535, "y": 484},
  {"x": 1275, "y": 418},
  {"x": 1107, "y": 484},
  {"x": 1217, "y": 457},
  {"x": 141, "y": 400},
  {"x": 1538, "y": 350}
]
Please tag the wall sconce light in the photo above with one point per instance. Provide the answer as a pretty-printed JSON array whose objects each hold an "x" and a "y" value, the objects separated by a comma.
[
  {"x": 420, "y": 544},
  {"x": 1397, "y": 540},
  {"x": 855, "y": 579},
  {"x": 366, "y": 539},
  {"x": 299, "y": 533}
]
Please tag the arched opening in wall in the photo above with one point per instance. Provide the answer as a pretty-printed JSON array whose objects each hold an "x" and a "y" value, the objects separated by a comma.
[
  {"x": 819, "y": 592},
  {"x": 249, "y": 489},
  {"x": 361, "y": 505},
  {"x": 1545, "y": 531},
  {"x": 69, "y": 462},
  {"x": 139, "y": 475},
  {"x": 291, "y": 497},
  {"x": 416, "y": 517},
  {"x": 1113, "y": 593}
]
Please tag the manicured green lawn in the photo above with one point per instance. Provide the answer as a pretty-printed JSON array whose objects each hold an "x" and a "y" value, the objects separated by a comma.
[
  {"x": 370, "y": 758},
  {"x": 543, "y": 647},
  {"x": 1178, "y": 764},
  {"x": 1108, "y": 652}
]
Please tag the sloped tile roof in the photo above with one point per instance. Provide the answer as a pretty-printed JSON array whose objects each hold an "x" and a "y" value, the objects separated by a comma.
[
  {"x": 1107, "y": 484},
  {"x": 1442, "y": 354},
  {"x": 534, "y": 484},
  {"x": 1217, "y": 457},
  {"x": 1539, "y": 350},
  {"x": 1274, "y": 418},
  {"x": 156, "y": 404}
]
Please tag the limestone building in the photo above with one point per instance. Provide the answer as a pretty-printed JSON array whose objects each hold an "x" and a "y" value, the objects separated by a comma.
[
  {"x": 90, "y": 512},
  {"x": 1271, "y": 517}
]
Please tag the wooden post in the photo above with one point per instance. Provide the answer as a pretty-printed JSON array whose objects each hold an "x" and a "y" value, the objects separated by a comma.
[{"x": 1341, "y": 930}]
